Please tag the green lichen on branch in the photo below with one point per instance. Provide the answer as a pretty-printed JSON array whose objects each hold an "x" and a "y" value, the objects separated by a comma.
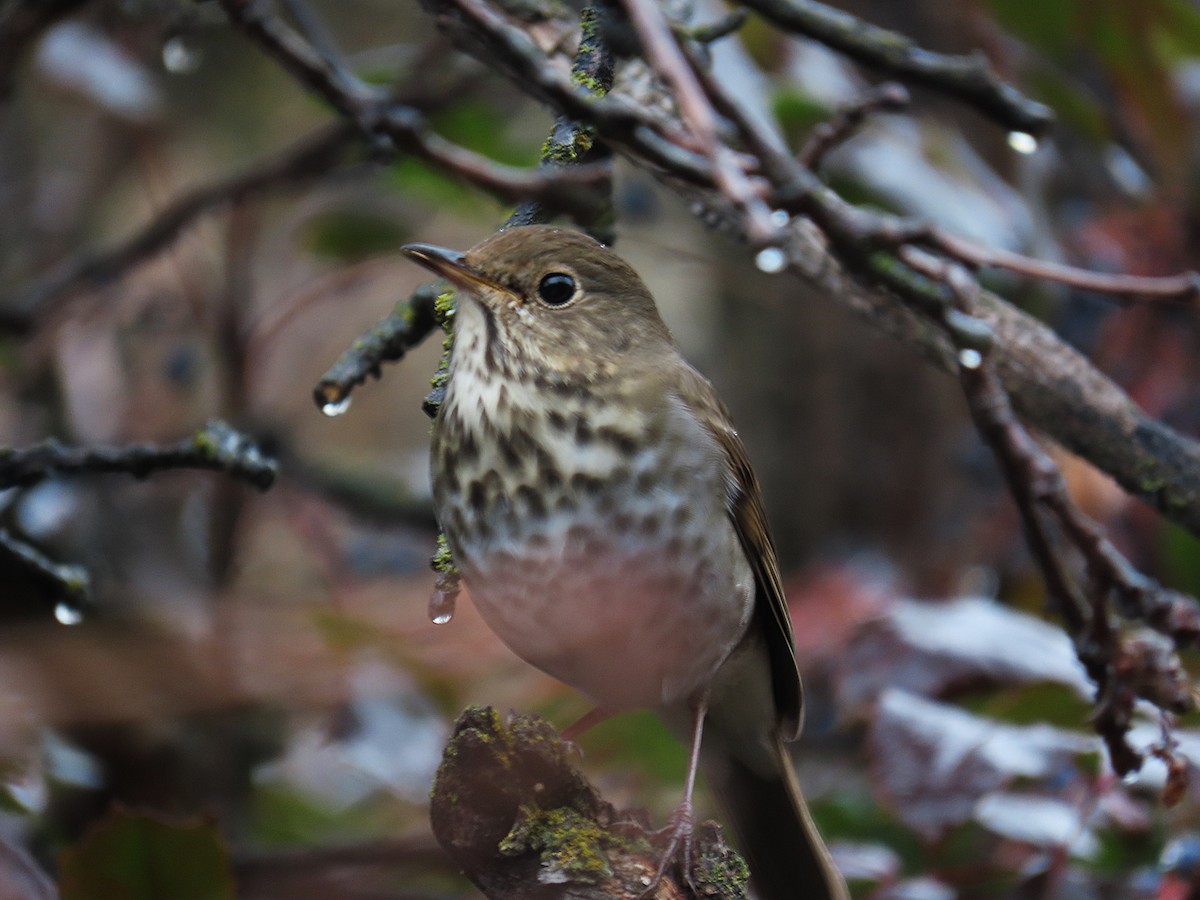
[
  {"x": 719, "y": 871},
  {"x": 443, "y": 560},
  {"x": 513, "y": 811},
  {"x": 444, "y": 311},
  {"x": 572, "y": 142},
  {"x": 570, "y": 845},
  {"x": 448, "y": 585}
]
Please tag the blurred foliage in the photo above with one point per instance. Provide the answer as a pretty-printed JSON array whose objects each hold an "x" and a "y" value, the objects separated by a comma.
[
  {"x": 348, "y": 235},
  {"x": 1135, "y": 46},
  {"x": 137, "y": 857}
]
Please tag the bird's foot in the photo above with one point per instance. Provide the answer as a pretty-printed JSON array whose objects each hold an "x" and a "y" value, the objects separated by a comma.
[{"x": 678, "y": 852}]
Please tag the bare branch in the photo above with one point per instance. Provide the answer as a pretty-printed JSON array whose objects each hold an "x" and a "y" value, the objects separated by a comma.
[
  {"x": 358, "y": 101},
  {"x": 308, "y": 159},
  {"x": 69, "y": 582},
  {"x": 887, "y": 97},
  {"x": 388, "y": 341},
  {"x": 970, "y": 79},
  {"x": 572, "y": 142},
  {"x": 566, "y": 189},
  {"x": 1184, "y": 286},
  {"x": 1123, "y": 669},
  {"x": 216, "y": 446},
  {"x": 665, "y": 55}
]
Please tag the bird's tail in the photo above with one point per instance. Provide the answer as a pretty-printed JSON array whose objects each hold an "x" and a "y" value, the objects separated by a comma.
[{"x": 787, "y": 858}]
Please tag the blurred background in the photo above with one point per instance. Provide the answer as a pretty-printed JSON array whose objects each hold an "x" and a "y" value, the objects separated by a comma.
[{"x": 258, "y": 672}]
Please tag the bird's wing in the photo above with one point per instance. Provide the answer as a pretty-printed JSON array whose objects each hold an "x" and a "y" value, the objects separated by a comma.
[{"x": 744, "y": 501}]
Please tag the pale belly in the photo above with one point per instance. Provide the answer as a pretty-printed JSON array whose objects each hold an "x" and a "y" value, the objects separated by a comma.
[{"x": 629, "y": 619}]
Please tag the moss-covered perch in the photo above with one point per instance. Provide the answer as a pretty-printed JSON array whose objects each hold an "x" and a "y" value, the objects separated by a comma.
[{"x": 522, "y": 822}]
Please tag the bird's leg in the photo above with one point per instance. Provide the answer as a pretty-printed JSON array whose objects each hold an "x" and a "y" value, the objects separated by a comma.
[
  {"x": 683, "y": 821},
  {"x": 586, "y": 723}
]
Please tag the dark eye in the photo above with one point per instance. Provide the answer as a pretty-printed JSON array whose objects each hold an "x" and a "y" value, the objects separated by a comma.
[{"x": 556, "y": 288}]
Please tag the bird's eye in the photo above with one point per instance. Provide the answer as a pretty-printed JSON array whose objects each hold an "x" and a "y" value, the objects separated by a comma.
[{"x": 556, "y": 288}]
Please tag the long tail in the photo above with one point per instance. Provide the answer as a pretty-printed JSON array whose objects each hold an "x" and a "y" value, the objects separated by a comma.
[{"x": 788, "y": 860}]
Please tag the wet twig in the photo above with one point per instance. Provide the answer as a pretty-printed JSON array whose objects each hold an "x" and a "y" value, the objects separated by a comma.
[
  {"x": 887, "y": 97},
  {"x": 970, "y": 79},
  {"x": 389, "y": 341},
  {"x": 1122, "y": 667},
  {"x": 216, "y": 446},
  {"x": 68, "y": 582}
]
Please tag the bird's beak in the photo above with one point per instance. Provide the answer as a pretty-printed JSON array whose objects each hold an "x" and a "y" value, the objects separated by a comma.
[{"x": 451, "y": 265}]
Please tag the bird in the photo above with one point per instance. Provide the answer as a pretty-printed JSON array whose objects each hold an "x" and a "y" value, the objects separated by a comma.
[{"x": 604, "y": 516}]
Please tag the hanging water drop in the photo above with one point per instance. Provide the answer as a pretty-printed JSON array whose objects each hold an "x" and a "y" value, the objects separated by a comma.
[
  {"x": 336, "y": 408},
  {"x": 780, "y": 218},
  {"x": 178, "y": 57},
  {"x": 1022, "y": 142},
  {"x": 66, "y": 614},
  {"x": 771, "y": 260},
  {"x": 441, "y": 606},
  {"x": 970, "y": 358}
]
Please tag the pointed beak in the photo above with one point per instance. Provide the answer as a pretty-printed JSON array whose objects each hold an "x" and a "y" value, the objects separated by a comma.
[{"x": 450, "y": 264}]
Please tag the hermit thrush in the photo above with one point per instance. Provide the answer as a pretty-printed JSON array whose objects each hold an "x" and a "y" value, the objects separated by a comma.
[{"x": 603, "y": 513}]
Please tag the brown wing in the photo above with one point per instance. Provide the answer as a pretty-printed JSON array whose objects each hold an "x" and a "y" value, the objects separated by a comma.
[{"x": 749, "y": 519}]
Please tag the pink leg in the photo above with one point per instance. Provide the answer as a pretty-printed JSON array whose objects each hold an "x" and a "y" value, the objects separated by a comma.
[
  {"x": 589, "y": 720},
  {"x": 679, "y": 848}
]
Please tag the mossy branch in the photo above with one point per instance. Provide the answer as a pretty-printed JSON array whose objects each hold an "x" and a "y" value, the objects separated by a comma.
[{"x": 522, "y": 822}]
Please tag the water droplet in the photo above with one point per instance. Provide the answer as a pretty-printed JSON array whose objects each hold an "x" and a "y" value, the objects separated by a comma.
[
  {"x": 1022, "y": 142},
  {"x": 970, "y": 358},
  {"x": 67, "y": 614},
  {"x": 780, "y": 218},
  {"x": 771, "y": 260},
  {"x": 336, "y": 408},
  {"x": 178, "y": 57},
  {"x": 441, "y": 606}
]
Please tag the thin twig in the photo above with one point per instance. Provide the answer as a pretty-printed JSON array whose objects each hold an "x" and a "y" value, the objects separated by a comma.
[
  {"x": 389, "y": 341},
  {"x": 887, "y": 97},
  {"x": 572, "y": 142},
  {"x": 355, "y": 99},
  {"x": 67, "y": 581},
  {"x": 216, "y": 446},
  {"x": 666, "y": 56},
  {"x": 403, "y": 128},
  {"x": 307, "y": 159},
  {"x": 566, "y": 189},
  {"x": 970, "y": 79},
  {"x": 1183, "y": 286},
  {"x": 314, "y": 30}
]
